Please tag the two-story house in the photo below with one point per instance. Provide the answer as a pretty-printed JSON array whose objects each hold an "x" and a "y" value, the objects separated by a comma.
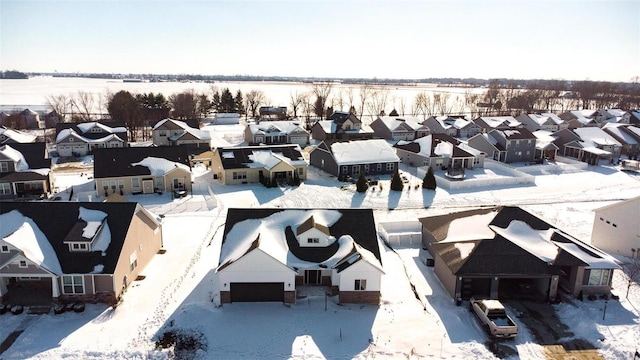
[
  {"x": 398, "y": 128},
  {"x": 453, "y": 126},
  {"x": 170, "y": 132},
  {"x": 488, "y": 123},
  {"x": 545, "y": 121},
  {"x": 11, "y": 136},
  {"x": 341, "y": 126},
  {"x": 579, "y": 118},
  {"x": 511, "y": 145},
  {"x": 276, "y": 132}
]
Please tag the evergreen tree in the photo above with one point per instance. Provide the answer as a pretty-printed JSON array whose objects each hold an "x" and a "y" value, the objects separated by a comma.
[
  {"x": 216, "y": 103},
  {"x": 226, "y": 101},
  {"x": 429, "y": 180},
  {"x": 239, "y": 103},
  {"x": 361, "y": 185},
  {"x": 396, "y": 182}
]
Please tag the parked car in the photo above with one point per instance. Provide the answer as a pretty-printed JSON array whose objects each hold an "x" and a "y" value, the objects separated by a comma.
[{"x": 493, "y": 317}]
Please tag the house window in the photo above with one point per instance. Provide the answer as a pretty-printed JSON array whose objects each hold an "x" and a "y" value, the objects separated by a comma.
[
  {"x": 113, "y": 185},
  {"x": 163, "y": 133},
  {"x": 355, "y": 170},
  {"x": 476, "y": 161},
  {"x": 360, "y": 285},
  {"x": 121, "y": 184},
  {"x": 313, "y": 240},
  {"x": 597, "y": 277},
  {"x": 135, "y": 182},
  {"x": 79, "y": 247},
  {"x": 133, "y": 261},
  {"x": 390, "y": 166},
  {"x": 345, "y": 169},
  {"x": 366, "y": 168},
  {"x": 5, "y": 189},
  {"x": 300, "y": 171},
  {"x": 105, "y": 185},
  {"x": 4, "y": 249},
  {"x": 22, "y": 264},
  {"x": 519, "y": 153},
  {"x": 72, "y": 284},
  {"x": 159, "y": 183},
  {"x": 4, "y": 166},
  {"x": 239, "y": 175},
  {"x": 379, "y": 167}
]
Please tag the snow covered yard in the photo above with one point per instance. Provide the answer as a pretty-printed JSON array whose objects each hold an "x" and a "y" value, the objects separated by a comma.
[{"x": 178, "y": 290}]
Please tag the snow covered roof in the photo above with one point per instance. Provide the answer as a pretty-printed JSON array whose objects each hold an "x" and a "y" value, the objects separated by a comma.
[
  {"x": 160, "y": 166},
  {"x": 22, "y": 233},
  {"x": 84, "y": 127},
  {"x": 63, "y": 134},
  {"x": 617, "y": 130},
  {"x": 235, "y": 157},
  {"x": 363, "y": 151},
  {"x": 393, "y": 122},
  {"x": 537, "y": 242},
  {"x": 267, "y": 229},
  {"x": 280, "y": 127},
  {"x": 15, "y": 156},
  {"x": 497, "y": 121},
  {"x": 595, "y": 137},
  {"x": 17, "y": 136}
]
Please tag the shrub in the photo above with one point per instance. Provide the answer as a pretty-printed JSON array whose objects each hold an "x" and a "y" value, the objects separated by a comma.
[
  {"x": 396, "y": 182},
  {"x": 429, "y": 180},
  {"x": 361, "y": 185}
]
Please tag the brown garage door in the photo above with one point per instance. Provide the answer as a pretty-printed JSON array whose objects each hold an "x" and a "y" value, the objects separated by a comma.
[{"x": 251, "y": 292}]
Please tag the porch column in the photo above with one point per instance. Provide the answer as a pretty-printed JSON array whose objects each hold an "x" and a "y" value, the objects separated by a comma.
[
  {"x": 3, "y": 287},
  {"x": 553, "y": 287},
  {"x": 495, "y": 281},
  {"x": 55, "y": 292}
]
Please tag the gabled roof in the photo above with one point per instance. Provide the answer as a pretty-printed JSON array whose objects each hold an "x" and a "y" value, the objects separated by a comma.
[
  {"x": 363, "y": 151},
  {"x": 508, "y": 241},
  {"x": 195, "y": 133},
  {"x": 354, "y": 230},
  {"x": 56, "y": 228},
  {"x": 112, "y": 129},
  {"x": 131, "y": 161},
  {"x": 17, "y": 136},
  {"x": 619, "y": 133},
  {"x": 497, "y": 122},
  {"x": 33, "y": 155},
  {"x": 277, "y": 127},
  {"x": 339, "y": 117},
  {"x": 311, "y": 223},
  {"x": 595, "y": 137},
  {"x": 259, "y": 156},
  {"x": 435, "y": 145},
  {"x": 394, "y": 123},
  {"x": 514, "y": 134}
]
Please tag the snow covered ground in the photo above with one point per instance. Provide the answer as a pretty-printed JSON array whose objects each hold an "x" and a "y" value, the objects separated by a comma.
[{"x": 179, "y": 291}]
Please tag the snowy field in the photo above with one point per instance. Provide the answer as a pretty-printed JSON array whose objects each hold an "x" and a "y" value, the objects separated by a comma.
[{"x": 180, "y": 291}]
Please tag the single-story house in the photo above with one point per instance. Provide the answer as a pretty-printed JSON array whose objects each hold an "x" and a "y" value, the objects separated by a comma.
[
  {"x": 373, "y": 157},
  {"x": 493, "y": 251},
  {"x": 141, "y": 170},
  {"x": 628, "y": 139},
  {"x": 168, "y": 132},
  {"x": 545, "y": 147},
  {"x": 248, "y": 164},
  {"x": 593, "y": 145},
  {"x": 80, "y": 139},
  {"x": 616, "y": 228},
  {"x": 438, "y": 151},
  {"x": 24, "y": 171},
  {"x": 267, "y": 254},
  {"x": 276, "y": 132},
  {"x": 86, "y": 252},
  {"x": 272, "y": 112}
]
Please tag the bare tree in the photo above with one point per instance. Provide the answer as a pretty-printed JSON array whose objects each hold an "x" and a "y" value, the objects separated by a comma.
[
  {"x": 631, "y": 270},
  {"x": 82, "y": 106},
  {"x": 379, "y": 98},
  {"x": 350, "y": 97},
  {"x": 442, "y": 104},
  {"x": 471, "y": 102},
  {"x": 420, "y": 105},
  {"x": 321, "y": 90},
  {"x": 253, "y": 100},
  {"x": 364, "y": 92},
  {"x": 184, "y": 105},
  {"x": 296, "y": 100},
  {"x": 60, "y": 104}
]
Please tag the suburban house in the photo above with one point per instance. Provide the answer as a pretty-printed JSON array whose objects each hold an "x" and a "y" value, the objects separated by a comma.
[
  {"x": 271, "y": 254},
  {"x": 272, "y": 112},
  {"x": 493, "y": 252},
  {"x": 512, "y": 145},
  {"x": 629, "y": 140},
  {"x": 276, "y": 132},
  {"x": 170, "y": 132},
  {"x": 24, "y": 171},
  {"x": 82, "y": 138},
  {"x": 86, "y": 252},
  {"x": 439, "y": 151},
  {"x": 488, "y": 123},
  {"x": 341, "y": 126},
  {"x": 31, "y": 119},
  {"x": 579, "y": 118},
  {"x": 452, "y": 126},
  {"x": 226, "y": 119},
  {"x": 609, "y": 116},
  {"x": 545, "y": 121},
  {"x": 616, "y": 228},
  {"x": 11, "y": 136},
  {"x": 398, "y": 128},
  {"x": 545, "y": 146},
  {"x": 631, "y": 117},
  {"x": 142, "y": 170},
  {"x": 342, "y": 159},
  {"x": 249, "y": 164},
  {"x": 593, "y": 145}
]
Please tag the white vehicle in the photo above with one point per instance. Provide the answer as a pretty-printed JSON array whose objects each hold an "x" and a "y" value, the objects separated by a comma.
[{"x": 494, "y": 318}]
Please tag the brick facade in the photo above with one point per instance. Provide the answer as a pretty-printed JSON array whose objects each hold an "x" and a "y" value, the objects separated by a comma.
[
  {"x": 289, "y": 297},
  {"x": 359, "y": 297},
  {"x": 225, "y": 297}
]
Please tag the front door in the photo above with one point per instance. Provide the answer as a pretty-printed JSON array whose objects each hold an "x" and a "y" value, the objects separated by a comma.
[
  {"x": 312, "y": 277},
  {"x": 147, "y": 186}
]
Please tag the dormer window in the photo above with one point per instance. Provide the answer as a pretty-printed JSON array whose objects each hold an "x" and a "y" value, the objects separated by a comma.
[
  {"x": 4, "y": 249},
  {"x": 312, "y": 234},
  {"x": 313, "y": 240},
  {"x": 79, "y": 246},
  {"x": 4, "y": 166}
]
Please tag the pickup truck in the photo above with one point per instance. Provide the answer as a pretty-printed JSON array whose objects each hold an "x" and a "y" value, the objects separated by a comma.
[{"x": 494, "y": 318}]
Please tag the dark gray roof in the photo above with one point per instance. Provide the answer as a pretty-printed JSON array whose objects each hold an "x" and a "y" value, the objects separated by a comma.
[
  {"x": 57, "y": 219},
  {"x": 34, "y": 154},
  {"x": 115, "y": 162},
  {"x": 90, "y": 135},
  {"x": 241, "y": 155}
]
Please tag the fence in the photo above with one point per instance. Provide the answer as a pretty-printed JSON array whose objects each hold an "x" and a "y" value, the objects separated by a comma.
[{"x": 403, "y": 233}]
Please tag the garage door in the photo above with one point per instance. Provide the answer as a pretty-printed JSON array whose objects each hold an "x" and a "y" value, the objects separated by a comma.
[{"x": 250, "y": 292}]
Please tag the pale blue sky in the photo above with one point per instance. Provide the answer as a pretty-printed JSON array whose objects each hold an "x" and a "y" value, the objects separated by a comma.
[{"x": 572, "y": 40}]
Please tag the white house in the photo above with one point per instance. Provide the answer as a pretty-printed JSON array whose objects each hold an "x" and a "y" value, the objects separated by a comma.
[
  {"x": 616, "y": 228},
  {"x": 269, "y": 254},
  {"x": 81, "y": 139}
]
